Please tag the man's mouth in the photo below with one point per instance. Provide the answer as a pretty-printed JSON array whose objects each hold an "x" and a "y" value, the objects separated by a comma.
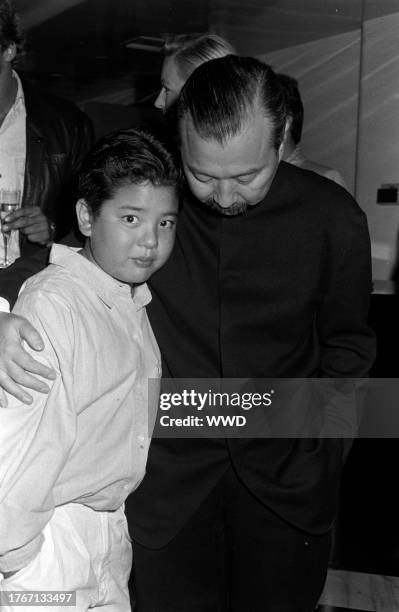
[{"x": 235, "y": 209}]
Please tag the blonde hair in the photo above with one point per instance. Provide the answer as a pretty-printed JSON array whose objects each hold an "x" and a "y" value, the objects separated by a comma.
[{"x": 191, "y": 50}]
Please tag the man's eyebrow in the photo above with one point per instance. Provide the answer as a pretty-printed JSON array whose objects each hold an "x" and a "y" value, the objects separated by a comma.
[
  {"x": 194, "y": 170},
  {"x": 250, "y": 171},
  {"x": 197, "y": 171}
]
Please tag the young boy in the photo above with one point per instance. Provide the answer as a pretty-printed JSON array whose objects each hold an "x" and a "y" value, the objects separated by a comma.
[{"x": 69, "y": 460}]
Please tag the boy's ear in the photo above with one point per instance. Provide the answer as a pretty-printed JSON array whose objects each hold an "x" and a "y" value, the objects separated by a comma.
[{"x": 85, "y": 217}]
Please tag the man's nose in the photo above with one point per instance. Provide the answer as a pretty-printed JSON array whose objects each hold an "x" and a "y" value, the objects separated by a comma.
[
  {"x": 160, "y": 100},
  {"x": 225, "y": 194}
]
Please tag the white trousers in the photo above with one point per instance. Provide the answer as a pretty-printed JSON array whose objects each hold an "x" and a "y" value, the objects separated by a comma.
[{"x": 83, "y": 551}]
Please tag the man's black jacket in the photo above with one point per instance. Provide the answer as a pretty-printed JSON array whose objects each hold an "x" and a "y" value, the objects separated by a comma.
[{"x": 279, "y": 292}]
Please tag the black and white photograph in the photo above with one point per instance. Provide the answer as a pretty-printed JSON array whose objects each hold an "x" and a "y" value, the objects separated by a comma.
[{"x": 199, "y": 279}]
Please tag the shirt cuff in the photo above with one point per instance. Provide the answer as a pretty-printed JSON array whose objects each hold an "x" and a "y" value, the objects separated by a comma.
[
  {"x": 4, "y": 305},
  {"x": 18, "y": 558}
]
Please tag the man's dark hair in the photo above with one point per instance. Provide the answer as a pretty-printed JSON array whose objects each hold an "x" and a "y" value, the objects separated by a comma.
[
  {"x": 294, "y": 106},
  {"x": 125, "y": 157},
  {"x": 223, "y": 93},
  {"x": 10, "y": 27}
]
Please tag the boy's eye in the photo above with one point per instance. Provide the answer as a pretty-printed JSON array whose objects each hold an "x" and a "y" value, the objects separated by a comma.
[
  {"x": 130, "y": 219},
  {"x": 168, "y": 223}
]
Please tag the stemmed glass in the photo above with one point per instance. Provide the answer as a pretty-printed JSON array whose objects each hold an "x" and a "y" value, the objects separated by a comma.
[{"x": 9, "y": 202}]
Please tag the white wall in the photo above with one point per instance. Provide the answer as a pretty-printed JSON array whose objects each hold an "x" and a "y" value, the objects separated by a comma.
[
  {"x": 359, "y": 136},
  {"x": 378, "y": 153},
  {"x": 327, "y": 71}
]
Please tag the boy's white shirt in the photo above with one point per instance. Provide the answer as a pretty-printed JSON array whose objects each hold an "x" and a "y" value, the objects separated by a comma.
[
  {"x": 45, "y": 459},
  {"x": 4, "y": 305}
]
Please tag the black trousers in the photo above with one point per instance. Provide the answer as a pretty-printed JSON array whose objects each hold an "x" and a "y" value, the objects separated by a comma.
[{"x": 234, "y": 555}]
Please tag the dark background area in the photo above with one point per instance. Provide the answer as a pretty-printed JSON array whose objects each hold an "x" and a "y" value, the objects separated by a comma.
[{"x": 78, "y": 48}]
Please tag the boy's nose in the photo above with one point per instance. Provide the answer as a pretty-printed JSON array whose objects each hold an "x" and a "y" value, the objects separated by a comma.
[{"x": 149, "y": 238}]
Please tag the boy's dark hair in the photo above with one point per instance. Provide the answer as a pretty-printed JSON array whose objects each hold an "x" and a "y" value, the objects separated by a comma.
[
  {"x": 223, "y": 93},
  {"x": 125, "y": 157},
  {"x": 10, "y": 27},
  {"x": 294, "y": 106}
]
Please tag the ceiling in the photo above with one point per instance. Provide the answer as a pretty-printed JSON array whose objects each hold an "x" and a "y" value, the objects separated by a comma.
[{"x": 77, "y": 48}]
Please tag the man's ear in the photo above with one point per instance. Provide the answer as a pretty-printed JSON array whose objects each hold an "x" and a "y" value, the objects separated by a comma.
[
  {"x": 85, "y": 217},
  {"x": 287, "y": 130},
  {"x": 10, "y": 53}
]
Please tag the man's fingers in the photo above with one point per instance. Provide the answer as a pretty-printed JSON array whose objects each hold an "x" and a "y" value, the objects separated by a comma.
[
  {"x": 22, "y": 377},
  {"x": 26, "y": 364},
  {"x": 26, "y": 211},
  {"x": 34, "y": 224},
  {"x": 25, "y": 224},
  {"x": 18, "y": 224},
  {"x": 12, "y": 388},
  {"x": 14, "y": 359},
  {"x": 3, "y": 399},
  {"x": 25, "y": 221},
  {"x": 17, "y": 214},
  {"x": 31, "y": 222},
  {"x": 37, "y": 232},
  {"x": 31, "y": 336},
  {"x": 41, "y": 238}
]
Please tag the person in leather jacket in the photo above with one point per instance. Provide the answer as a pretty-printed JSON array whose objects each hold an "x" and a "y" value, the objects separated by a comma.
[{"x": 43, "y": 139}]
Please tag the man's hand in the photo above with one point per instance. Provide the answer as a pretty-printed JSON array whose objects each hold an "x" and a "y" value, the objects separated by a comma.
[
  {"x": 16, "y": 365},
  {"x": 32, "y": 222}
]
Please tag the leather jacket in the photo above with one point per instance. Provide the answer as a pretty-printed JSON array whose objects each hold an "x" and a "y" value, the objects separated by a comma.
[{"x": 58, "y": 135}]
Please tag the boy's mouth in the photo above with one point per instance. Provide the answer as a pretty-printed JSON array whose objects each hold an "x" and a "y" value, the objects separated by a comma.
[{"x": 143, "y": 262}]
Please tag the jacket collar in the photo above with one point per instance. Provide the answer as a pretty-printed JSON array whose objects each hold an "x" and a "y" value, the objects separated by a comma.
[{"x": 35, "y": 105}]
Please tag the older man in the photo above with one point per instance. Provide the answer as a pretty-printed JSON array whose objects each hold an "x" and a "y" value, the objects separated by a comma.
[{"x": 270, "y": 277}]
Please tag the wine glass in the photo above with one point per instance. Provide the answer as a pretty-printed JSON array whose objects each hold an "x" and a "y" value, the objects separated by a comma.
[{"x": 9, "y": 202}]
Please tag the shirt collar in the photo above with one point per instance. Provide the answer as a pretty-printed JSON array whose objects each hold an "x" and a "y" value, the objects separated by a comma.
[
  {"x": 297, "y": 157},
  {"x": 20, "y": 92},
  {"x": 17, "y": 110},
  {"x": 108, "y": 289}
]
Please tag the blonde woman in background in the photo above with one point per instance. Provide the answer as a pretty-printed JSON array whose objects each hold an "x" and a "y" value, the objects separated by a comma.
[{"x": 183, "y": 54}]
